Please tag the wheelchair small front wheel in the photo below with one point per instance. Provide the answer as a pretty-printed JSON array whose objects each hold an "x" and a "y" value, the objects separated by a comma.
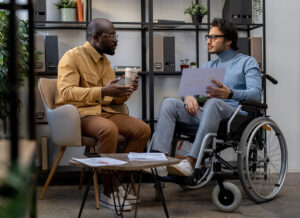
[{"x": 229, "y": 199}]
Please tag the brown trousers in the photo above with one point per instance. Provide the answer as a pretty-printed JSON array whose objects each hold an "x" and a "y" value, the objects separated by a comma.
[{"x": 108, "y": 126}]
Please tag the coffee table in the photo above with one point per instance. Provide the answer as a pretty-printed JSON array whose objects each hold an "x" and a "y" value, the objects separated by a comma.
[{"x": 131, "y": 166}]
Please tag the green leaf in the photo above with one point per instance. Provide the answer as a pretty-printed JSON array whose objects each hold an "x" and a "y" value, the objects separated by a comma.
[
  {"x": 195, "y": 9},
  {"x": 22, "y": 55}
]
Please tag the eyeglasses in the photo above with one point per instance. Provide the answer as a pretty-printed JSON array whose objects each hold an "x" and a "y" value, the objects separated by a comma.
[
  {"x": 212, "y": 37},
  {"x": 111, "y": 35}
]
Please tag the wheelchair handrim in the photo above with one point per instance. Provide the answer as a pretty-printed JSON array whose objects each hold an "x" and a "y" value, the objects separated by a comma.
[{"x": 283, "y": 168}]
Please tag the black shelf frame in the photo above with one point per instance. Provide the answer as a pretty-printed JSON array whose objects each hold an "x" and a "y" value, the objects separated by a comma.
[
  {"x": 138, "y": 26},
  {"x": 148, "y": 28},
  {"x": 12, "y": 7}
]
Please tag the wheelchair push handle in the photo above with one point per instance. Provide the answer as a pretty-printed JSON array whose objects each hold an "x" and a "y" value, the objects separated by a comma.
[{"x": 270, "y": 78}]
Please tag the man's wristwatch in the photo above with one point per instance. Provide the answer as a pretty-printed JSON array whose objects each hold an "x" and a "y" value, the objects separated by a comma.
[{"x": 230, "y": 94}]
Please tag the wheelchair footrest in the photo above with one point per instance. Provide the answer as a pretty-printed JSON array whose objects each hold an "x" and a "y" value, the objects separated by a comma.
[
  {"x": 184, "y": 180},
  {"x": 180, "y": 180}
]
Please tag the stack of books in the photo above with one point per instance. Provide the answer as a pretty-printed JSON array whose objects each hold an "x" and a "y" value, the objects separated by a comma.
[{"x": 122, "y": 68}]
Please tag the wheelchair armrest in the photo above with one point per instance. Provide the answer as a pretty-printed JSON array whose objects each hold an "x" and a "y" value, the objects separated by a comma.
[
  {"x": 65, "y": 125},
  {"x": 253, "y": 106}
]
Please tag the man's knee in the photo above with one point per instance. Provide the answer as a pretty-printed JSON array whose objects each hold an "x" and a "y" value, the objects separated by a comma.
[
  {"x": 169, "y": 104},
  {"x": 109, "y": 130},
  {"x": 144, "y": 132},
  {"x": 213, "y": 104}
]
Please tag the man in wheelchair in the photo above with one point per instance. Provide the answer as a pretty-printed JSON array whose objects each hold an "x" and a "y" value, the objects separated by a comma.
[
  {"x": 235, "y": 104},
  {"x": 242, "y": 82}
]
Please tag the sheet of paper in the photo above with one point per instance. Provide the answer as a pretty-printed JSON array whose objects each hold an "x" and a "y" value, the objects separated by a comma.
[
  {"x": 99, "y": 161},
  {"x": 195, "y": 80},
  {"x": 132, "y": 156}
]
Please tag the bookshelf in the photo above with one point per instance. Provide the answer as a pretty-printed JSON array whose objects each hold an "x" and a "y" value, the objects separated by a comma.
[{"x": 147, "y": 28}]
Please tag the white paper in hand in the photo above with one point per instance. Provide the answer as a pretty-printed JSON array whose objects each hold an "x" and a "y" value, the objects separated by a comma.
[{"x": 195, "y": 80}]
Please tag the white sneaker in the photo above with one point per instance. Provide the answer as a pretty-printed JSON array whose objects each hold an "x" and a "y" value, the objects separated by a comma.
[
  {"x": 109, "y": 202},
  {"x": 161, "y": 171},
  {"x": 183, "y": 168},
  {"x": 130, "y": 198}
]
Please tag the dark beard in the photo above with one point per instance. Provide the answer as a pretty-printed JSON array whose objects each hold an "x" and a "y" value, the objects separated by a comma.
[{"x": 108, "y": 50}]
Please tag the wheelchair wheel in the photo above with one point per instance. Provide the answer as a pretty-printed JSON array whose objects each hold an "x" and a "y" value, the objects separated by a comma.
[
  {"x": 262, "y": 159},
  {"x": 202, "y": 176},
  {"x": 229, "y": 200}
]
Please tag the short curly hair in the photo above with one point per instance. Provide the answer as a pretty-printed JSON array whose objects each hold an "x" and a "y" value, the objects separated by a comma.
[{"x": 229, "y": 30}]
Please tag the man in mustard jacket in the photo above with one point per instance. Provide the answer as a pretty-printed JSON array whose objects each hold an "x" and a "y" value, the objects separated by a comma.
[{"x": 87, "y": 80}]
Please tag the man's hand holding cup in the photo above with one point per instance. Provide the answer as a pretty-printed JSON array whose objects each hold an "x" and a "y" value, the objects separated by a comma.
[{"x": 131, "y": 78}]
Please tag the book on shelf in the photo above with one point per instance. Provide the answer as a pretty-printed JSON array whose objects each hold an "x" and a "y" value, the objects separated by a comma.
[
  {"x": 79, "y": 11},
  {"x": 168, "y": 21}
]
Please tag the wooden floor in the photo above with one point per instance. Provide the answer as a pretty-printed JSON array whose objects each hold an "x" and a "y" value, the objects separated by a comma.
[{"x": 64, "y": 202}]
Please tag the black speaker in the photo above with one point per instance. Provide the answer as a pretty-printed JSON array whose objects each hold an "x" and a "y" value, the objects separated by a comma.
[
  {"x": 247, "y": 11},
  {"x": 238, "y": 11},
  {"x": 51, "y": 54},
  {"x": 169, "y": 53},
  {"x": 244, "y": 46},
  {"x": 40, "y": 11},
  {"x": 232, "y": 11},
  {"x": 163, "y": 54}
]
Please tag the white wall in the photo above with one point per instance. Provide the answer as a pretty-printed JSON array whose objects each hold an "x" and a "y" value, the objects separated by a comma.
[
  {"x": 283, "y": 62},
  {"x": 283, "y": 45}
]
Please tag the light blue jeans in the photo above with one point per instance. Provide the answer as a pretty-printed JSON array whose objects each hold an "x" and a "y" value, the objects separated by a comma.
[{"x": 207, "y": 119}]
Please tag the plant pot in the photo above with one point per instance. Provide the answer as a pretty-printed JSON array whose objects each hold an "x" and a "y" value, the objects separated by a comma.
[
  {"x": 197, "y": 18},
  {"x": 182, "y": 66},
  {"x": 67, "y": 14}
]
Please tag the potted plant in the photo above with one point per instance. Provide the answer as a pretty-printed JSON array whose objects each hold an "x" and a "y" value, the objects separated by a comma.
[
  {"x": 184, "y": 64},
  {"x": 193, "y": 64},
  {"x": 23, "y": 63},
  {"x": 67, "y": 9},
  {"x": 196, "y": 11}
]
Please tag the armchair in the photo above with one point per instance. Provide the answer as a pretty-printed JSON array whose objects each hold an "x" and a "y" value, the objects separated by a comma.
[{"x": 65, "y": 129}]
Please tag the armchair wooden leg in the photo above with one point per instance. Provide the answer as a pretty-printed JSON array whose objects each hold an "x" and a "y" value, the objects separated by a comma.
[
  {"x": 96, "y": 189},
  {"x": 61, "y": 153},
  {"x": 81, "y": 178},
  {"x": 133, "y": 185}
]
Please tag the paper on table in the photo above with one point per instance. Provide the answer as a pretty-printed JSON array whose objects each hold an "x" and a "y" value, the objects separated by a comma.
[
  {"x": 195, "y": 80},
  {"x": 99, "y": 161},
  {"x": 132, "y": 156}
]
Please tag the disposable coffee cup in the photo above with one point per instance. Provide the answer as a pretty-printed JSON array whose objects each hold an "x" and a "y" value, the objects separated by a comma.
[{"x": 130, "y": 73}]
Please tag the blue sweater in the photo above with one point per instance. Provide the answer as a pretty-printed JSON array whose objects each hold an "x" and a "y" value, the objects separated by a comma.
[{"x": 242, "y": 76}]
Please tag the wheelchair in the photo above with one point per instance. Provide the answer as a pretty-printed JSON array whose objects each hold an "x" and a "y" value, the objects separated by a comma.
[{"x": 261, "y": 157}]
